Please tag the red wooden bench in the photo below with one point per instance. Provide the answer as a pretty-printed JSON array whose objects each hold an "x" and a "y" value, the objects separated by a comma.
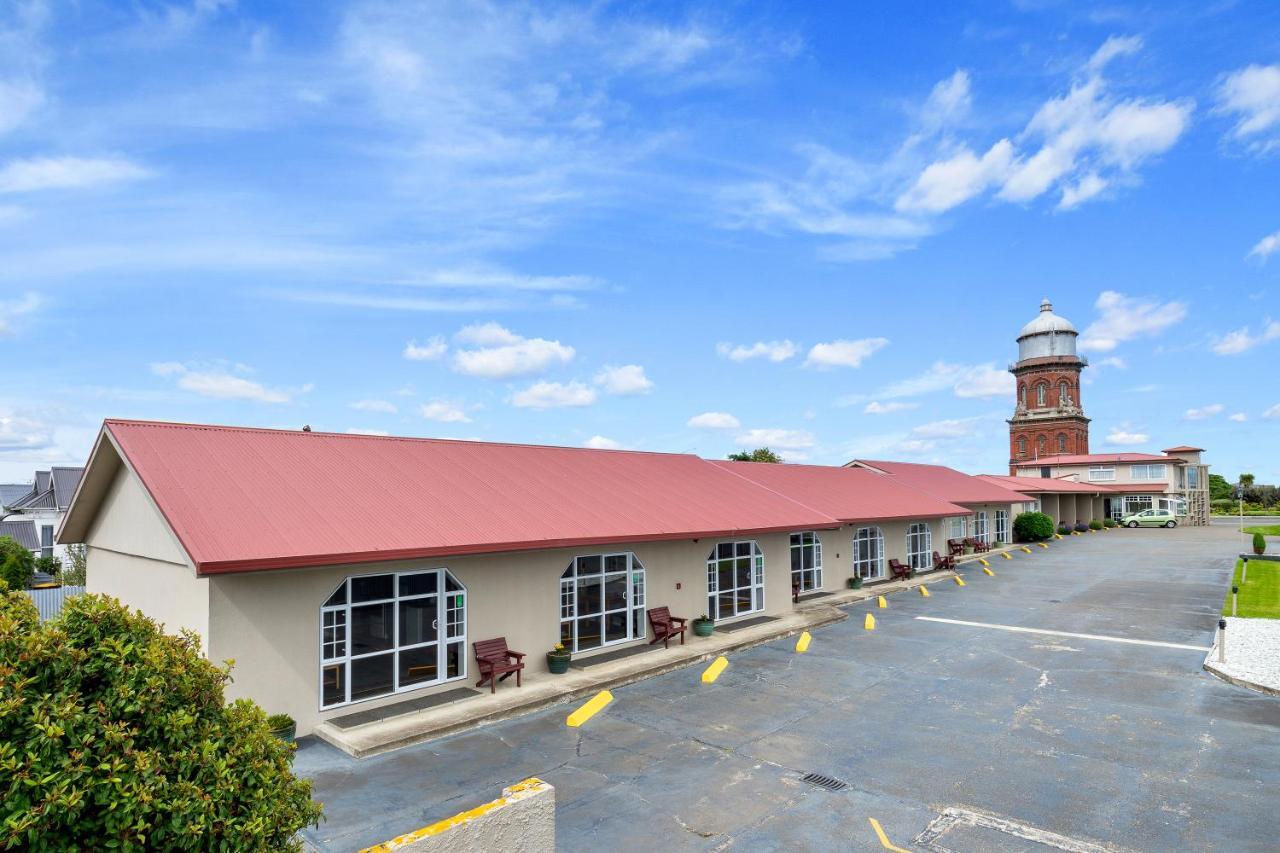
[
  {"x": 898, "y": 570},
  {"x": 495, "y": 659},
  {"x": 955, "y": 547},
  {"x": 665, "y": 626},
  {"x": 977, "y": 545},
  {"x": 941, "y": 562}
]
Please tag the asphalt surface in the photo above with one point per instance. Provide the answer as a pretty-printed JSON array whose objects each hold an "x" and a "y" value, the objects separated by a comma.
[{"x": 1132, "y": 747}]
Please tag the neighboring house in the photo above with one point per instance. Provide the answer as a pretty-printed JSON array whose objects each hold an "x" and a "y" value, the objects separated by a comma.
[
  {"x": 24, "y": 532},
  {"x": 1131, "y": 482},
  {"x": 233, "y": 533},
  {"x": 42, "y": 504}
]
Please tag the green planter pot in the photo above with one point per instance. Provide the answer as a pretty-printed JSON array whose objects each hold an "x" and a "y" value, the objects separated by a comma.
[
  {"x": 855, "y": 583},
  {"x": 287, "y": 733},
  {"x": 703, "y": 628},
  {"x": 558, "y": 664}
]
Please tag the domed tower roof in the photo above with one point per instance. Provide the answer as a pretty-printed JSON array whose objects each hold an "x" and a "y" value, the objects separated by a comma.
[{"x": 1047, "y": 335}]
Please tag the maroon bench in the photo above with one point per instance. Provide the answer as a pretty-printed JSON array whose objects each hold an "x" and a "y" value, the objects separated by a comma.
[
  {"x": 495, "y": 659},
  {"x": 898, "y": 570},
  {"x": 941, "y": 562},
  {"x": 955, "y": 547},
  {"x": 665, "y": 626},
  {"x": 977, "y": 545}
]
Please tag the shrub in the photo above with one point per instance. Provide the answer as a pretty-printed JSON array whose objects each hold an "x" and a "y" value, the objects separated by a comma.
[
  {"x": 74, "y": 573},
  {"x": 49, "y": 565},
  {"x": 1223, "y": 504},
  {"x": 1096, "y": 524},
  {"x": 1109, "y": 522},
  {"x": 1064, "y": 529},
  {"x": 1259, "y": 543},
  {"x": 114, "y": 735},
  {"x": 1032, "y": 527},
  {"x": 1081, "y": 527},
  {"x": 16, "y": 563}
]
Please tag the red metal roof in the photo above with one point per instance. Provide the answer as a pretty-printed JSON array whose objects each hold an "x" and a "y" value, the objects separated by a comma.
[
  {"x": 246, "y": 499},
  {"x": 1039, "y": 485},
  {"x": 946, "y": 483},
  {"x": 1093, "y": 459},
  {"x": 1183, "y": 448},
  {"x": 849, "y": 494}
]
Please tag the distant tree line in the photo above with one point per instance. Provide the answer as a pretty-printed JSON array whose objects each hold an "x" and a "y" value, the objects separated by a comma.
[{"x": 1257, "y": 496}]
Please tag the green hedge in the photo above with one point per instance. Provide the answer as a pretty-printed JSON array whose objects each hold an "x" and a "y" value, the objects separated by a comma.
[
  {"x": 1032, "y": 527},
  {"x": 114, "y": 735}
]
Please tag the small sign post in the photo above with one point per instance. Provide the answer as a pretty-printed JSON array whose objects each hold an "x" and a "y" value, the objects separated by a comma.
[
  {"x": 1235, "y": 592},
  {"x": 1222, "y": 641}
]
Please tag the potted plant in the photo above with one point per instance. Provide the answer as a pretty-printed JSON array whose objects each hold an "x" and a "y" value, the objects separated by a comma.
[
  {"x": 703, "y": 626},
  {"x": 1081, "y": 527},
  {"x": 1096, "y": 524},
  {"x": 282, "y": 726},
  {"x": 1259, "y": 543},
  {"x": 1064, "y": 530},
  {"x": 558, "y": 659},
  {"x": 855, "y": 583}
]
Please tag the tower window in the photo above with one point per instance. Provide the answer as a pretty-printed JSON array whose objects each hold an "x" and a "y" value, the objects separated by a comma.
[
  {"x": 1022, "y": 446},
  {"x": 1042, "y": 392},
  {"x": 1042, "y": 444},
  {"x": 1062, "y": 394},
  {"x": 1022, "y": 394},
  {"x": 1062, "y": 442}
]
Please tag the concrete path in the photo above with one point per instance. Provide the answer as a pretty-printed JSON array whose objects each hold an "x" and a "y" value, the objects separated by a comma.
[{"x": 960, "y": 735}]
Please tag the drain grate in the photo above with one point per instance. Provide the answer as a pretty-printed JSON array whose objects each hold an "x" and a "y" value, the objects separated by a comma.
[{"x": 829, "y": 783}]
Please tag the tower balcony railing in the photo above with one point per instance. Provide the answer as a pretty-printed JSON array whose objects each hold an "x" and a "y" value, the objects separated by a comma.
[{"x": 1084, "y": 361}]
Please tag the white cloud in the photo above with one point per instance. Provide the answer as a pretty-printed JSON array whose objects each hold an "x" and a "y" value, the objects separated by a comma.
[
  {"x": 1242, "y": 340},
  {"x": 787, "y": 439},
  {"x": 375, "y": 406},
  {"x": 479, "y": 277},
  {"x": 1122, "y": 436},
  {"x": 627, "y": 380},
  {"x": 502, "y": 354},
  {"x": 1123, "y": 318},
  {"x": 1089, "y": 186},
  {"x": 771, "y": 350},
  {"x": 948, "y": 102},
  {"x": 946, "y": 183},
  {"x": 1203, "y": 412},
  {"x": 844, "y": 353},
  {"x": 951, "y": 428},
  {"x": 1265, "y": 247},
  {"x": 444, "y": 412},
  {"x": 52, "y": 173},
  {"x": 24, "y": 431},
  {"x": 1252, "y": 96},
  {"x": 1113, "y": 47},
  {"x": 1272, "y": 413},
  {"x": 599, "y": 442},
  {"x": 221, "y": 383},
  {"x": 12, "y": 310},
  {"x": 18, "y": 99},
  {"x": 964, "y": 380},
  {"x": 363, "y": 431},
  {"x": 432, "y": 350},
  {"x": 714, "y": 420},
  {"x": 1112, "y": 361},
  {"x": 876, "y": 408},
  {"x": 554, "y": 395},
  {"x": 985, "y": 380},
  {"x": 1238, "y": 417}
]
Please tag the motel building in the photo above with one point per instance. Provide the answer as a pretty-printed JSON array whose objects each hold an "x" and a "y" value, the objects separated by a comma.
[{"x": 344, "y": 572}]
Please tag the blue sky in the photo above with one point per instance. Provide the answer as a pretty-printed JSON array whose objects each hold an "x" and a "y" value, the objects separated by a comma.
[{"x": 661, "y": 226}]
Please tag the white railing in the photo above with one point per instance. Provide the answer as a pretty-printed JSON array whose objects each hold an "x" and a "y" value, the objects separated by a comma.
[{"x": 49, "y": 601}]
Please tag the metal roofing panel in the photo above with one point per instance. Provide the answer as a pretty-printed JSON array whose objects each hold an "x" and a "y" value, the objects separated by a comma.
[
  {"x": 23, "y": 531},
  {"x": 36, "y": 500},
  {"x": 11, "y": 493},
  {"x": 65, "y": 481},
  {"x": 1038, "y": 485},
  {"x": 1094, "y": 459},
  {"x": 849, "y": 494},
  {"x": 43, "y": 481},
  {"x": 243, "y": 499},
  {"x": 947, "y": 483}
]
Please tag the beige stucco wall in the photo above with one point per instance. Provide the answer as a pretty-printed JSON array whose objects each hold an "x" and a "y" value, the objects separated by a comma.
[{"x": 132, "y": 555}]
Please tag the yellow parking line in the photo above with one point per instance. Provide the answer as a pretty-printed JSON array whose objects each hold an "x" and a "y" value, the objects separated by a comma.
[
  {"x": 802, "y": 644},
  {"x": 712, "y": 672},
  {"x": 592, "y": 707},
  {"x": 869, "y": 623},
  {"x": 959, "y": 581},
  {"x": 924, "y": 590},
  {"x": 880, "y": 602},
  {"x": 884, "y": 839},
  {"x": 988, "y": 571}
]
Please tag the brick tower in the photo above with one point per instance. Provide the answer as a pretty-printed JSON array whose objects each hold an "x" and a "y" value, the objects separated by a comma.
[{"x": 1048, "y": 420}]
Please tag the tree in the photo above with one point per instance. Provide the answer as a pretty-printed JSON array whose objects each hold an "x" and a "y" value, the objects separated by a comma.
[
  {"x": 760, "y": 454},
  {"x": 75, "y": 571},
  {"x": 1246, "y": 480},
  {"x": 1219, "y": 488},
  {"x": 115, "y": 735},
  {"x": 16, "y": 563}
]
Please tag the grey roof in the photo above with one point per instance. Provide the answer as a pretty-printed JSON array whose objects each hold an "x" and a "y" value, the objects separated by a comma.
[
  {"x": 11, "y": 493},
  {"x": 44, "y": 481},
  {"x": 36, "y": 500},
  {"x": 23, "y": 531},
  {"x": 1046, "y": 322},
  {"x": 65, "y": 481},
  {"x": 53, "y": 490}
]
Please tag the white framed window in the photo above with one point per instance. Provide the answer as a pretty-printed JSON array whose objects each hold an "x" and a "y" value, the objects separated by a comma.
[
  {"x": 1042, "y": 393},
  {"x": 1062, "y": 442},
  {"x": 46, "y": 540},
  {"x": 1002, "y": 525},
  {"x": 735, "y": 579},
  {"x": 388, "y": 633},
  {"x": 1193, "y": 477},
  {"x": 1102, "y": 472},
  {"x": 920, "y": 547},
  {"x": 1134, "y": 504},
  {"x": 1022, "y": 395},
  {"x": 1022, "y": 446},
  {"x": 1062, "y": 394},
  {"x": 1147, "y": 472},
  {"x": 1177, "y": 506},
  {"x": 980, "y": 526},
  {"x": 806, "y": 562},
  {"x": 868, "y": 553},
  {"x": 957, "y": 527},
  {"x": 602, "y": 601}
]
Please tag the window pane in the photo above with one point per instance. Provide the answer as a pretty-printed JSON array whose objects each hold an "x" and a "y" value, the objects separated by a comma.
[
  {"x": 759, "y": 598},
  {"x": 808, "y": 558},
  {"x": 615, "y": 627},
  {"x": 589, "y": 633},
  {"x": 795, "y": 559},
  {"x": 744, "y": 600},
  {"x": 418, "y": 621},
  {"x": 418, "y": 584},
  {"x": 615, "y": 563},
  {"x": 333, "y": 688},
  {"x": 371, "y": 628},
  {"x": 566, "y": 634},
  {"x": 726, "y": 605},
  {"x": 339, "y": 596},
  {"x": 615, "y": 592},
  {"x": 371, "y": 676},
  {"x": 589, "y": 565},
  {"x": 590, "y": 598},
  {"x": 724, "y": 578},
  {"x": 453, "y": 660},
  {"x": 372, "y": 588},
  {"x": 744, "y": 549},
  {"x": 638, "y": 628},
  {"x": 743, "y": 573},
  {"x": 724, "y": 549},
  {"x": 451, "y": 585},
  {"x": 419, "y": 665}
]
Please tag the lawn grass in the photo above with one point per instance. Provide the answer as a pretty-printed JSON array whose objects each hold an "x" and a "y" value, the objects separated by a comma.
[
  {"x": 1260, "y": 597},
  {"x": 1265, "y": 529}
]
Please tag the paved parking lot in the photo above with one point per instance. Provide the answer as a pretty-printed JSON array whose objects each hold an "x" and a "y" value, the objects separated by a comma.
[{"x": 968, "y": 738}]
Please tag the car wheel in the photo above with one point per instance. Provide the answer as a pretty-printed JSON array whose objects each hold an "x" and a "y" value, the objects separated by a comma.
[
  {"x": 1171, "y": 523},
  {"x": 1133, "y": 524}
]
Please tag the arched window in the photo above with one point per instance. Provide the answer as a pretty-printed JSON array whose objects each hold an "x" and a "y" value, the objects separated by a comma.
[
  {"x": 602, "y": 601},
  {"x": 1062, "y": 442},
  {"x": 1022, "y": 393},
  {"x": 1042, "y": 444},
  {"x": 868, "y": 553},
  {"x": 980, "y": 526},
  {"x": 919, "y": 547},
  {"x": 1022, "y": 445},
  {"x": 735, "y": 579},
  {"x": 806, "y": 562},
  {"x": 1063, "y": 396},
  {"x": 381, "y": 634},
  {"x": 1042, "y": 392}
]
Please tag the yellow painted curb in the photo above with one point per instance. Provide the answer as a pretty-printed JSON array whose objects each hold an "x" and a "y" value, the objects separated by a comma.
[
  {"x": 881, "y": 603},
  {"x": 802, "y": 644},
  {"x": 1006, "y": 555},
  {"x": 712, "y": 672},
  {"x": 1026, "y": 550},
  {"x": 1043, "y": 545},
  {"x": 869, "y": 623},
  {"x": 983, "y": 561},
  {"x": 959, "y": 581},
  {"x": 924, "y": 590},
  {"x": 988, "y": 571},
  {"x": 884, "y": 839},
  {"x": 515, "y": 793},
  {"x": 593, "y": 706}
]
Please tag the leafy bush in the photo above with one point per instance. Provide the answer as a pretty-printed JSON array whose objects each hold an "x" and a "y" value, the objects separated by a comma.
[
  {"x": 114, "y": 735},
  {"x": 16, "y": 563},
  {"x": 760, "y": 454},
  {"x": 1109, "y": 522},
  {"x": 276, "y": 722},
  {"x": 1032, "y": 527},
  {"x": 74, "y": 573},
  {"x": 1064, "y": 529},
  {"x": 1096, "y": 524},
  {"x": 1081, "y": 527},
  {"x": 1223, "y": 504},
  {"x": 1259, "y": 543},
  {"x": 49, "y": 565}
]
